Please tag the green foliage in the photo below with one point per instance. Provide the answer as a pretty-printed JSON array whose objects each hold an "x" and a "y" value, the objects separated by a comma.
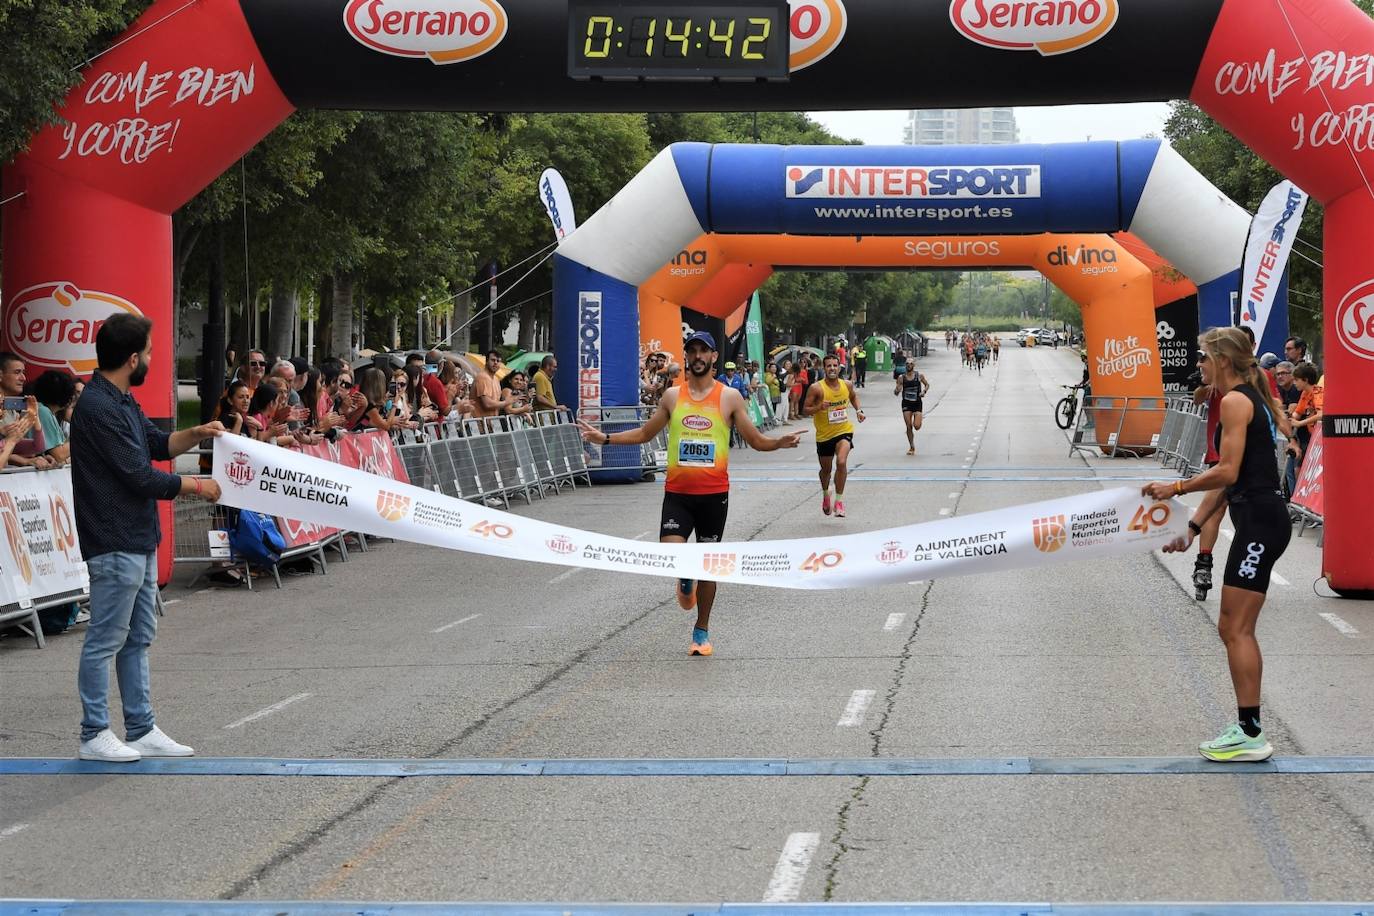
[{"x": 43, "y": 44}]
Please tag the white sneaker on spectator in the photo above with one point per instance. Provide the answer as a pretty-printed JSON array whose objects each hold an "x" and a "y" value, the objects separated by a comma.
[
  {"x": 82, "y": 616},
  {"x": 157, "y": 744},
  {"x": 105, "y": 746}
]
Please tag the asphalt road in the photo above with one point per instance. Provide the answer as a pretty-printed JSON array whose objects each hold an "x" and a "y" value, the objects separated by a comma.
[{"x": 414, "y": 652}]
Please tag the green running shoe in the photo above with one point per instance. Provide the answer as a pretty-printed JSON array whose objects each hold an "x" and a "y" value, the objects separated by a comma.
[{"x": 1234, "y": 746}]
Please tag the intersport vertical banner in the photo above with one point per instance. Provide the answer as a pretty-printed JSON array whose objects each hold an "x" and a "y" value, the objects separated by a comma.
[
  {"x": 553, "y": 193},
  {"x": 753, "y": 331},
  {"x": 1267, "y": 250},
  {"x": 1091, "y": 526}
]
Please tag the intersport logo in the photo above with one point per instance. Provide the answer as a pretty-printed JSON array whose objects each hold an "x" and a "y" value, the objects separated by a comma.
[
  {"x": 445, "y": 31},
  {"x": 1355, "y": 320},
  {"x": 1048, "y": 26}
]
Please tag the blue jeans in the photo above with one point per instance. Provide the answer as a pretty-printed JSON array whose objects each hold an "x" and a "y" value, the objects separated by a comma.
[
  {"x": 123, "y": 624},
  {"x": 1290, "y": 476}
]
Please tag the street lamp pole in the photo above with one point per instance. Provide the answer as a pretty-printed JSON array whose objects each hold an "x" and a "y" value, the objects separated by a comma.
[{"x": 420, "y": 323}]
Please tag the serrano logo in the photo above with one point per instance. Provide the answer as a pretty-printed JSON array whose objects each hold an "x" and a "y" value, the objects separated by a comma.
[
  {"x": 445, "y": 31},
  {"x": 1047, "y": 26},
  {"x": 1355, "y": 320},
  {"x": 697, "y": 422},
  {"x": 817, "y": 28},
  {"x": 1049, "y": 533},
  {"x": 718, "y": 564},
  {"x": 53, "y": 325},
  {"x": 891, "y": 554},
  {"x": 238, "y": 470},
  {"x": 392, "y": 506},
  {"x": 560, "y": 545}
]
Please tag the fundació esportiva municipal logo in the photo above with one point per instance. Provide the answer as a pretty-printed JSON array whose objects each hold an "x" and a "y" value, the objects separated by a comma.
[
  {"x": 1049, "y": 533},
  {"x": 392, "y": 506}
]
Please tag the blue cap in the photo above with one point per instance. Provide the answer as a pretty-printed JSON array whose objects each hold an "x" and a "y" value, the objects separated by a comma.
[{"x": 701, "y": 336}]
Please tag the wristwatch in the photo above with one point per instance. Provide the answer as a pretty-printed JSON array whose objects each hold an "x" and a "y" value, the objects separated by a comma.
[{"x": 1194, "y": 527}]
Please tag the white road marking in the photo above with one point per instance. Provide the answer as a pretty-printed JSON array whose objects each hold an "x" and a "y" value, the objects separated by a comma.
[
  {"x": 945, "y": 511},
  {"x": 269, "y": 710},
  {"x": 954, "y": 496},
  {"x": 1227, "y": 533},
  {"x": 790, "y": 871},
  {"x": 856, "y": 707},
  {"x": 1340, "y": 625},
  {"x": 171, "y": 602},
  {"x": 563, "y": 577},
  {"x": 893, "y": 622},
  {"x": 449, "y": 626},
  {"x": 12, "y": 829},
  {"x": 1279, "y": 579}
]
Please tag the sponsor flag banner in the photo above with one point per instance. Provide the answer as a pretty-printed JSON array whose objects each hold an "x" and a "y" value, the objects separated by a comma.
[
  {"x": 553, "y": 193},
  {"x": 265, "y": 478},
  {"x": 40, "y": 556},
  {"x": 753, "y": 332},
  {"x": 1266, "y": 253},
  {"x": 1308, "y": 493}
]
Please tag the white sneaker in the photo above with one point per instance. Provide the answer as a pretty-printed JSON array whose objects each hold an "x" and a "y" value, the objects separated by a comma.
[
  {"x": 105, "y": 746},
  {"x": 157, "y": 744}
]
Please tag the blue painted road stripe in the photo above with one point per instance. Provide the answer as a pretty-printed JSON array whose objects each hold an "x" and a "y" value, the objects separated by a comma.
[
  {"x": 720, "y": 767},
  {"x": 340, "y": 908}
]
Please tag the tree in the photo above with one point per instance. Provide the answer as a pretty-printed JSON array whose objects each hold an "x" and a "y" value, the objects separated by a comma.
[{"x": 43, "y": 45}]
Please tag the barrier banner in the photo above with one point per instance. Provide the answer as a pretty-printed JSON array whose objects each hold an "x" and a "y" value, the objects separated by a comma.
[
  {"x": 40, "y": 556},
  {"x": 1308, "y": 493},
  {"x": 264, "y": 478}
]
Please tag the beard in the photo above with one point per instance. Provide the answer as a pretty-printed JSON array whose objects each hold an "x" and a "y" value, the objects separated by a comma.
[
  {"x": 139, "y": 374},
  {"x": 699, "y": 367}
]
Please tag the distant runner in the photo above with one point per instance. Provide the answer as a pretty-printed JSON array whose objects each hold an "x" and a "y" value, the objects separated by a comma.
[
  {"x": 828, "y": 402},
  {"x": 912, "y": 386},
  {"x": 699, "y": 414}
]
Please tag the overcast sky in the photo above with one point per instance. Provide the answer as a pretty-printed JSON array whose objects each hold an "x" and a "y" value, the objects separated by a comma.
[{"x": 1051, "y": 124}]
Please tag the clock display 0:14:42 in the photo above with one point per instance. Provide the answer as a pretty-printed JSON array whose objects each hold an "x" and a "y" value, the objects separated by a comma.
[{"x": 722, "y": 38}]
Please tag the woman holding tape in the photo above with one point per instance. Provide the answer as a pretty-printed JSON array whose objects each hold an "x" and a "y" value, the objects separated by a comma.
[{"x": 1247, "y": 479}]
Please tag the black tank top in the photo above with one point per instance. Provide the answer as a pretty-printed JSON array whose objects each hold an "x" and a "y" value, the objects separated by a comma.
[
  {"x": 911, "y": 389},
  {"x": 1259, "y": 469}
]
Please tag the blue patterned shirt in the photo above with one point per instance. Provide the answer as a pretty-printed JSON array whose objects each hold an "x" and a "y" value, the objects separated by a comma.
[{"x": 114, "y": 483}]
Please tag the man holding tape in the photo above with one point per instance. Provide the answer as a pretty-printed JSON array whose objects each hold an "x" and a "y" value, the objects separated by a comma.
[{"x": 699, "y": 414}]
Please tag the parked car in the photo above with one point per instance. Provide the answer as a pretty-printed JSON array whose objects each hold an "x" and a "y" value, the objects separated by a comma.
[
  {"x": 1022, "y": 334},
  {"x": 1045, "y": 336}
]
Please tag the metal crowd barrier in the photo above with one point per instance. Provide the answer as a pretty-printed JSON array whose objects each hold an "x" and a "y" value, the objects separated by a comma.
[{"x": 1132, "y": 426}]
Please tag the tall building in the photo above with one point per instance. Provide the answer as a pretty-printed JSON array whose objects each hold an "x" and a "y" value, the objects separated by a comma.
[{"x": 950, "y": 126}]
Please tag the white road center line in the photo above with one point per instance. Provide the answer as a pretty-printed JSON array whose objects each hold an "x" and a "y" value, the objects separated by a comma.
[
  {"x": 269, "y": 710},
  {"x": 12, "y": 829},
  {"x": 449, "y": 626},
  {"x": 856, "y": 707},
  {"x": 954, "y": 496},
  {"x": 945, "y": 511},
  {"x": 790, "y": 871},
  {"x": 893, "y": 622},
  {"x": 1279, "y": 579},
  {"x": 1340, "y": 625}
]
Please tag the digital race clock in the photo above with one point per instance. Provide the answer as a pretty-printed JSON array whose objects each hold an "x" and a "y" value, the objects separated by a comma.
[{"x": 621, "y": 39}]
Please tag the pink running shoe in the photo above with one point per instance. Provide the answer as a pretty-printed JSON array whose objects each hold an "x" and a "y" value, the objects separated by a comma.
[
  {"x": 825, "y": 504},
  {"x": 839, "y": 509}
]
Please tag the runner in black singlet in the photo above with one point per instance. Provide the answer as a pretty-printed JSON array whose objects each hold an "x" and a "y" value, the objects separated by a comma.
[
  {"x": 912, "y": 386},
  {"x": 1246, "y": 478}
]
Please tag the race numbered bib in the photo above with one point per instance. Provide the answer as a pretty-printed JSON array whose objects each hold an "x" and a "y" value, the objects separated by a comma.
[
  {"x": 696, "y": 452},
  {"x": 839, "y": 415}
]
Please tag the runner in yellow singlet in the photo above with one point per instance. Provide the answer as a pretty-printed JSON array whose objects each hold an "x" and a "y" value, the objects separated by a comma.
[
  {"x": 828, "y": 402},
  {"x": 699, "y": 414}
]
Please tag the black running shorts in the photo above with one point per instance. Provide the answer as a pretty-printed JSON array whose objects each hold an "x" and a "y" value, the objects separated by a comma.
[
  {"x": 1262, "y": 533},
  {"x": 916, "y": 406},
  {"x": 826, "y": 449},
  {"x": 684, "y": 513}
]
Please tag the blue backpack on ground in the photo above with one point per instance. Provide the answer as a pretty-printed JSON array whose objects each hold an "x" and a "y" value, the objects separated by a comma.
[{"x": 254, "y": 537}]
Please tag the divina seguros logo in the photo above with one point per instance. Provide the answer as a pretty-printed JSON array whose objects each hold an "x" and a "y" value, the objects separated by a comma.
[
  {"x": 1047, "y": 26},
  {"x": 445, "y": 31}
]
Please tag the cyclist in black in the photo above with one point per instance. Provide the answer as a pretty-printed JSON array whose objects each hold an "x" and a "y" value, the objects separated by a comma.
[
  {"x": 1247, "y": 479},
  {"x": 912, "y": 386}
]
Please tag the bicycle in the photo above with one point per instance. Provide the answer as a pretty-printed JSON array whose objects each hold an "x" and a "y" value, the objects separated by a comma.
[{"x": 1067, "y": 408}]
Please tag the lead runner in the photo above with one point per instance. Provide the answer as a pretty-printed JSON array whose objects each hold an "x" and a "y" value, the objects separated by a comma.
[{"x": 699, "y": 414}]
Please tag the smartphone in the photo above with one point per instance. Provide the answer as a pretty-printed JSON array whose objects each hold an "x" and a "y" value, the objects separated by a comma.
[
  {"x": 431, "y": 369},
  {"x": 19, "y": 405}
]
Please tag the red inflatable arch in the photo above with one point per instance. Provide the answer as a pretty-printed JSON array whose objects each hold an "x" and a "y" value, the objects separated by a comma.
[{"x": 195, "y": 85}]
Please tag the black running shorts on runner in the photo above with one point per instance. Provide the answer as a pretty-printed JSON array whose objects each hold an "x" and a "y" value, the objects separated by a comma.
[
  {"x": 913, "y": 407},
  {"x": 1262, "y": 533},
  {"x": 684, "y": 513},
  {"x": 826, "y": 449}
]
